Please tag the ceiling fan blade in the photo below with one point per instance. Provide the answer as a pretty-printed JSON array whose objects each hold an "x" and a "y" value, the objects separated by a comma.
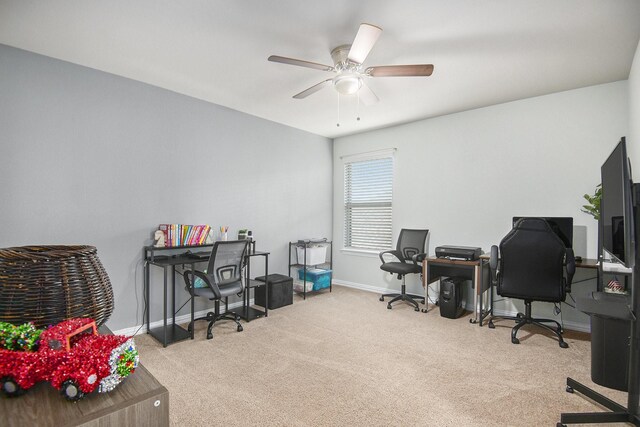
[
  {"x": 300, "y": 63},
  {"x": 366, "y": 95},
  {"x": 312, "y": 89},
  {"x": 365, "y": 39},
  {"x": 400, "y": 70}
]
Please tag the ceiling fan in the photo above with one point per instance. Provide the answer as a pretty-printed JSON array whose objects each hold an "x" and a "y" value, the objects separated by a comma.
[{"x": 350, "y": 74}]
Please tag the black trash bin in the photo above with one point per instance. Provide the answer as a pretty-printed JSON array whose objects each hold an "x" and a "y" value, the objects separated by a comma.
[
  {"x": 280, "y": 291},
  {"x": 451, "y": 297}
]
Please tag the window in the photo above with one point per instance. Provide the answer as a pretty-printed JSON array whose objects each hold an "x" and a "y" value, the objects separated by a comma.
[{"x": 368, "y": 193}]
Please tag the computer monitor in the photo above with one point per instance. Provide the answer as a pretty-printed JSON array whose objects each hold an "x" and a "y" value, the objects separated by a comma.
[
  {"x": 616, "y": 207},
  {"x": 562, "y": 226}
]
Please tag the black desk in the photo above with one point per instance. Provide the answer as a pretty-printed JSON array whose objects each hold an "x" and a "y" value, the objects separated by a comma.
[
  {"x": 434, "y": 268},
  {"x": 169, "y": 333}
]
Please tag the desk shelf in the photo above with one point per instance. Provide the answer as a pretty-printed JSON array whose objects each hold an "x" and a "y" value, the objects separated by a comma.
[
  {"x": 174, "y": 333},
  {"x": 248, "y": 312}
]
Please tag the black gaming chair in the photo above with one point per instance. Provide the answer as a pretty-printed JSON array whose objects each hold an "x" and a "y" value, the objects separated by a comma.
[
  {"x": 533, "y": 264},
  {"x": 410, "y": 252}
]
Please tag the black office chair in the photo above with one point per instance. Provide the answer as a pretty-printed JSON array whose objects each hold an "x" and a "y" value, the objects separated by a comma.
[
  {"x": 222, "y": 279},
  {"x": 533, "y": 265},
  {"x": 410, "y": 252}
]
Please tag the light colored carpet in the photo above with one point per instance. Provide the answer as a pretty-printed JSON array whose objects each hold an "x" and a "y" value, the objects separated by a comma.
[{"x": 344, "y": 359}]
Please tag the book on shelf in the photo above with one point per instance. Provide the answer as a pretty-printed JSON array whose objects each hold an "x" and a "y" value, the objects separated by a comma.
[
  {"x": 202, "y": 238},
  {"x": 184, "y": 234}
]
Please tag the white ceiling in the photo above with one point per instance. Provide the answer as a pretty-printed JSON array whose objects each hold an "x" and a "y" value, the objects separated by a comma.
[{"x": 484, "y": 51}]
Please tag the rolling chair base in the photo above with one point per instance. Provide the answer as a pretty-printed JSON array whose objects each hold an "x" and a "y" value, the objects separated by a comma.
[
  {"x": 526, "y": 319},
  {"x": 403, "y": 296},
  {"x": 212, "y": 317}
]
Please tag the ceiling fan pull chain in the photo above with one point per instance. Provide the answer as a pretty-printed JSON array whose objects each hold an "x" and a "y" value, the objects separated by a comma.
[
  {"x": 338, "y": 124},
  {"x": 358, "y": 107}
]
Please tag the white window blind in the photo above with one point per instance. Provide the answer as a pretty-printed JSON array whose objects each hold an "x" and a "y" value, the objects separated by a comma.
[{"x": 368, "y": 193}]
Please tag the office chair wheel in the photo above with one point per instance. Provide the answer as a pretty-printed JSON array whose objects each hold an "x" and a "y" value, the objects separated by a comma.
[
  {"x": 563, "y": 344},
  {"x": 381, "y": 298},
  {"x": 389, "y": 306},
  {"x": 515, "y": 340},
  {"x": 491, "y": 325},
  {"x": 240, "y": 328},
  {"x": 416, "y": 309},
  {"x": 190, "y": 327},
  {"x": 209, "y": 335},
  {"x": 569, "y": 389},
  {"x": 424, "y": 310}
]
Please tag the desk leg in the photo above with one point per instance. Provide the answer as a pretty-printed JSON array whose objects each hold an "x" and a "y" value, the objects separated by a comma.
[
  {"x": 246, "y": 297},
  {"x": 477, "y": 304},
  {"x": 164, "y": 308},
  {"x": 425, "y": 270},
  {"x": 173, "y": 298},
  {"x": 478, "y": 281},
  {"x": 146, "y": 292},
  {"x": 491, "y": 299},
  {"x": 266, "y": 285}
]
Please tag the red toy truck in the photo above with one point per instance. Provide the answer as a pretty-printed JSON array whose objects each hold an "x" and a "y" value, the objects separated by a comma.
[{"x": 73, "y": 357}]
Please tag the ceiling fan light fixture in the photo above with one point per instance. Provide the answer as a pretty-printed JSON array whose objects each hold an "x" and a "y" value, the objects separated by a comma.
[{"x": 347, "y": 84}]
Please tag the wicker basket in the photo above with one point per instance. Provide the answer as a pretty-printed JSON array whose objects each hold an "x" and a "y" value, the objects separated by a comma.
[{"x": 48, "y": 284}]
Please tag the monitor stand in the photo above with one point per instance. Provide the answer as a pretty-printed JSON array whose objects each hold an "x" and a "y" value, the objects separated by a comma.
[{"x": 618, "y": 413}]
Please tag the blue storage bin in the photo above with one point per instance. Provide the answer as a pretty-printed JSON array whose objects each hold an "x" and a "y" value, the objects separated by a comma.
[{"x": 321, "y": 278}]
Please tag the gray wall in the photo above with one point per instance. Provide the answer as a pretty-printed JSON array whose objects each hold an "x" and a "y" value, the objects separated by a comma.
[
  {"x": 92, "y": 158},
  {"x": 463, "y": 176}
]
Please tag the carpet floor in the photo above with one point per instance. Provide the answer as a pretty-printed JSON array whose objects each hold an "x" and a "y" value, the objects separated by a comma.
[{"x": 344, "y": 359}]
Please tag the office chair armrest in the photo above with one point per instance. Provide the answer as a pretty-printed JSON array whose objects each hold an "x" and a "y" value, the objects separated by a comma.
[
  {"x": 393, "y": 252},
  {"x": 493, "y": 258},
  {"x": 493, "y": 263},
  {"x": 570, "y": 266},
  {"x": 418, "y": 258},
  {"x": 207, "y": 278}
]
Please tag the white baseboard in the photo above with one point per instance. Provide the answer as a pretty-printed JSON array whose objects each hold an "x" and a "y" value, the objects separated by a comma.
[
  {"x": 574, "y": 326},
  {"x": 140, "y": 329},
  {"x": 367, "y": 288}
]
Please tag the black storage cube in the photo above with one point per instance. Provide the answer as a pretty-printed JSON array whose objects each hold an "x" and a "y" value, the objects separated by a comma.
[
  {"x": 610, "y": 352},
  {"x": 280, "y": 291},
  {"x": 451, "y": 297}
]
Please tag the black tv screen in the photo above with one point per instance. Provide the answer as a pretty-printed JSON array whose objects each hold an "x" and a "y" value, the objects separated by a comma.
[
  {"x": 562, "y": 226},
  {"x": 616, "y": 207}
]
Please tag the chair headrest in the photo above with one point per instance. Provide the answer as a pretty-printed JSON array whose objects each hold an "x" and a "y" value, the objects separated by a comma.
[
  {"x": 540, "y": 228},
  {"x": 533, "y": 224}
]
